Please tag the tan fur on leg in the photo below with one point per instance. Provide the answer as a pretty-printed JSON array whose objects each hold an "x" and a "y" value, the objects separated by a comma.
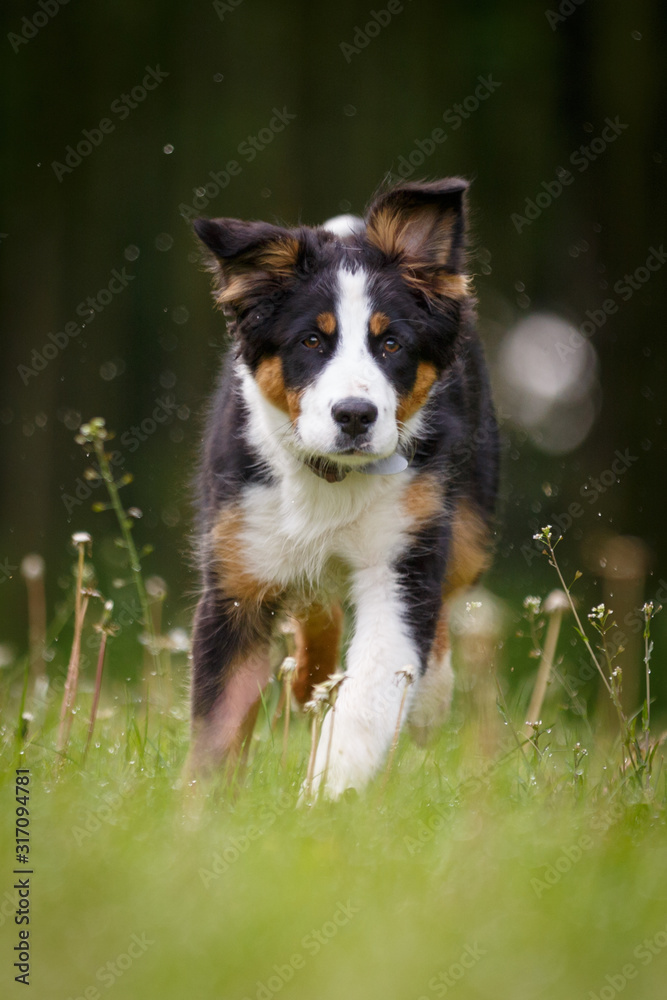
[{"x": 317, "y": 648}]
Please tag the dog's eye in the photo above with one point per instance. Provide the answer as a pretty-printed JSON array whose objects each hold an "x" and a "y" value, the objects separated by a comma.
[
  {"x": 311, "y": 341},
  {"x": 391, "y": 345}
]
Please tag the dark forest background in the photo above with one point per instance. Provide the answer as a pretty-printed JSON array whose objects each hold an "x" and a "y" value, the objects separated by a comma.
[{"x": 363, "y": 101}]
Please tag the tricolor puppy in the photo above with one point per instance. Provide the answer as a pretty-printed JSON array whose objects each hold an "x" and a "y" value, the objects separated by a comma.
[{"x": 350, "y": 459}]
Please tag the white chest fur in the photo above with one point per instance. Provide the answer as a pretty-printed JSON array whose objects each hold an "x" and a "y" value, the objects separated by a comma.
[{"x": 292, "y": 530}]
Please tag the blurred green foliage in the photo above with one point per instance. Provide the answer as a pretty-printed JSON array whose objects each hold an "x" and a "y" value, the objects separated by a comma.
[{"x": 364, "y": 99}]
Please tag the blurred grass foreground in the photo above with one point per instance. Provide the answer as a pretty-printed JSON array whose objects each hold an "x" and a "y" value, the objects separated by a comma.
[{"x": 521, "y": 856}]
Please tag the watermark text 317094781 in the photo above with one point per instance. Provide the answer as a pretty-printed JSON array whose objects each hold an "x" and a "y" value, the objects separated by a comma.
[{"x": 22, "y": 871}]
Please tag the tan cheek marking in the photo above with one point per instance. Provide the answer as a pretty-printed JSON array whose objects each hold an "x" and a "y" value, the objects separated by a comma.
[
  {"x": 269, "y": 377},
  {"x": 378, "y": 323},
  {"x": 422, "y": 501},
  {"x": 470, "y": 555},
  {"x": 234, "y": 578},
  {"x": 326, "y": 323},
  {"x": 408, "y": 405},
  {"x": 293, "y": 404}
]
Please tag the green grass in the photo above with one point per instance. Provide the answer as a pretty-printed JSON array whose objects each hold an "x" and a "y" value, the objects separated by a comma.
[
  {"x": 486, "y": 867},
  {"x": 505, "y": 875}
]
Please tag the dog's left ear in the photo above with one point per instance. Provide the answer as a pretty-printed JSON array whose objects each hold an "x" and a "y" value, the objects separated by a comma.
[{"x": 421, "y": 227}]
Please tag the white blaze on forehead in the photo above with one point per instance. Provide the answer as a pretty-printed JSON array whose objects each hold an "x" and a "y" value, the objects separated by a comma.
[{"x": 353, "y": 313}]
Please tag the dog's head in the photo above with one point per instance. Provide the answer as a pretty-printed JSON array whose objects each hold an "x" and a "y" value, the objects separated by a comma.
[{"x": 346, "y": 335}]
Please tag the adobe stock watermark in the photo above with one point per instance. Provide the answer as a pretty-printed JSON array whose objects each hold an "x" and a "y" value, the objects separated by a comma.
[
  {"x": 222, "y": 7},
  {"x": 122, "y": 106},
  {"x": 115, "y": 968},
  {"x": 454, "y": 117},
  {"x": 446, "y": 979},
  {"x": 563, "y": 864},
  {"x": 572, "y": 855},
  {"x": 311, "y": 943},
  {"x": 239, "y": 845},
  {"x": 31, "y": 26},
  {"x": 464, "y": 449},
  {"x": 425, "y": 830},
  {"x": 581, "y": 158},
  {"x": 625, "y": 288},
  {"x": 645, "y": 953},
  {"x": 363, "y": 36},
  {"x": 565, "y": 9},
  {"x": 249, "y": 148},
  {"x": 88, "y": 309},
  {"x": 590, "y": 491},
  {"x": 92, "y": 820}
]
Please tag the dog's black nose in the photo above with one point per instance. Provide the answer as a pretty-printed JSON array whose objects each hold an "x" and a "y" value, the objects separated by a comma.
[{"x": 354, "y": 415}]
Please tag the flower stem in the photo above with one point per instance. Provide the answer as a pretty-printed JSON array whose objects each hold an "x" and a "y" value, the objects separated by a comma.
[{"x": 135, "y": 562}]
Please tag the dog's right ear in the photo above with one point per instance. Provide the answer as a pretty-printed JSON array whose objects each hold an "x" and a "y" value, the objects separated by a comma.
[{"x": 246, "y": 257}]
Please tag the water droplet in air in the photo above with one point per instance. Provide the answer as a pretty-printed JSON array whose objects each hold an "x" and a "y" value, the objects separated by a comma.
[
  {"x": 168, "y": 149},
  {"x": 131, "y": 252},
  {"x": 163, "y": 241}
]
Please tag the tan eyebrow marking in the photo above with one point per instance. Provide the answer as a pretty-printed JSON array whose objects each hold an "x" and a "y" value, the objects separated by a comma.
[
  {"x": 326, "y": 322},
  {"x": 378, "y": 323}
]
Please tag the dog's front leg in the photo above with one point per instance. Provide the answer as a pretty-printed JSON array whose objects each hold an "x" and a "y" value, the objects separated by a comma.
[{"x": 367, "y": 708}]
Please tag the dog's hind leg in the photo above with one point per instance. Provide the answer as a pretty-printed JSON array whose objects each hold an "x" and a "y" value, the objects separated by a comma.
[
  {"x": 231, "y": 667},
  {"x": 317, "y": 640}
]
